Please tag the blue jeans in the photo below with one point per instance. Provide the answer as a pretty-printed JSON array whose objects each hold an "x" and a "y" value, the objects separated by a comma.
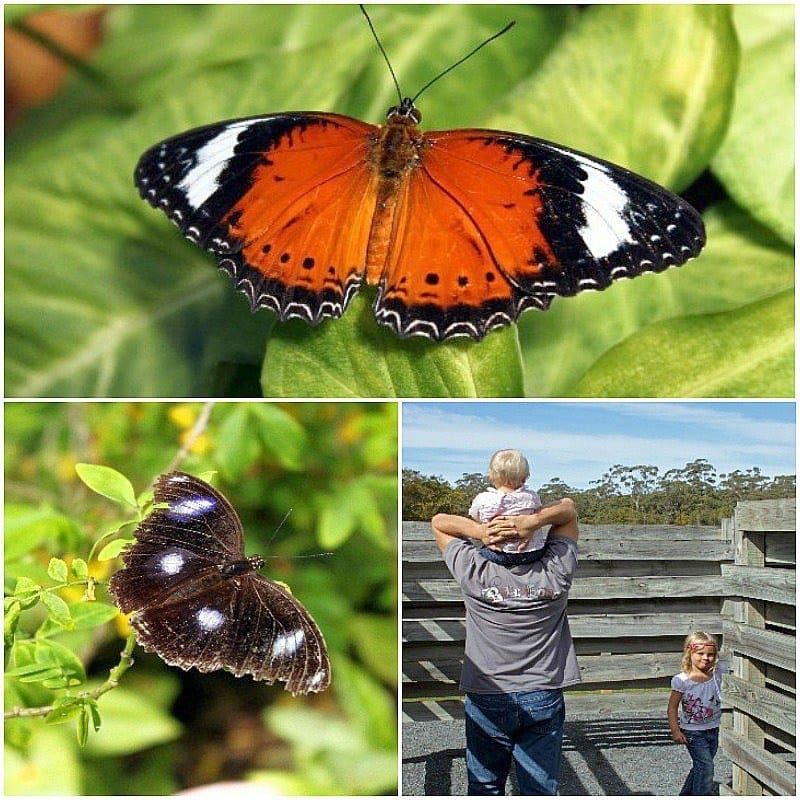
[
  {"x": 511, "y": 559},
  {"x": 527, "y": 726},
  {"x": 702, "y": 747}
]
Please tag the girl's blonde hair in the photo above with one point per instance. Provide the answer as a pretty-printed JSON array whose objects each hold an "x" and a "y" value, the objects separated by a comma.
[
  {"x": 692, "y": 642},
  {"x": 509, "y": 468}
]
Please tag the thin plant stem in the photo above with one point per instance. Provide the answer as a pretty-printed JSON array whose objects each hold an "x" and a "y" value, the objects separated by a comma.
[{"x": 114, "y": 676}]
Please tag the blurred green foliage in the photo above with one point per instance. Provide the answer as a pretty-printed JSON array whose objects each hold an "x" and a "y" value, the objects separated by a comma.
[
  {"x": 333, "y": 464},
  {"x": 677, "y": 92}
]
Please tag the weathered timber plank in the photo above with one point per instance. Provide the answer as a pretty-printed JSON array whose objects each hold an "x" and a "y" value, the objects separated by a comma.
[
  {"x": 760, "y": 583},
  {"x": 770, "y": 770},
  {"x": 759, "y": 702},
  {"x": 774, "y": 648},
  {"x": 605, "y": 626},
  {"x": 781, "y": 548},
  {"x": 421, "y": 531},
  {"x": 766, "y": 515},
  {"x": 415, "y": 552},
  {"x": 594, "y": 669},
  {"x": 580, "y": 705},
  {"x": 586, "y": 588}
]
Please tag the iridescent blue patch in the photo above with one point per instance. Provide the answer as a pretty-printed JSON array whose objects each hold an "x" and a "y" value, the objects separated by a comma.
[{"x": 193, "y": 506}]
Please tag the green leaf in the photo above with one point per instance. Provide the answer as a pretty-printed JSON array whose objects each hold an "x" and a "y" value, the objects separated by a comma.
[
  {"x": 237, "y": 448},
  {"x": 29, "y": 527},
  {"x": 113, "y": 549},
  {"x": 12, "y": 610},
  {"x": 756, "y": 160},
  {"x": 64, "y": 709},
  {"x": 57, "y": 609},
  {"x": 82, "y": 728},
  {"x": 27, "y": 591},
  {"x": 107, "y": 482},
  {"x": 80, "y": 569},
  {"x": 742, "y": 263},
  {"x": 54, "y": 654},
  {"x": 282, "y": 436},
  {"x": 335, "y": 524},
  {"x": 716, "y": 355},
  {"x": 649, "y": 87},
  {"x": 57, "y": 570},
  {"x": 85, "y": 615},
  {"x": 132, "y": 722},
  {"x": 354, "y": 357}
]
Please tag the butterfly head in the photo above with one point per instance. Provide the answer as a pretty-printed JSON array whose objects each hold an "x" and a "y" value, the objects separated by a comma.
[{"x": 406, "y": 110}]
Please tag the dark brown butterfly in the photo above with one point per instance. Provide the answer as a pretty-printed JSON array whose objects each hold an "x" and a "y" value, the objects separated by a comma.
[{"x": 198, "y": 602}]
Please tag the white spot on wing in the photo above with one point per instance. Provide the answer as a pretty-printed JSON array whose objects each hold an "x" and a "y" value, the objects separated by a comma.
[
  {"x": 288, "y": 644},
  {"x": 193, "y": 506},
  {"x": 202, "y": 180},
  {"x": 171, "y": 563},
  {"x": 604, "y": 202},
  {"x": 209, "y": 619}
]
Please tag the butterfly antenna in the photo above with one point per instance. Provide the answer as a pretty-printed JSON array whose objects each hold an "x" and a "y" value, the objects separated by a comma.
[
  {"x": 280, "y": 525},
  {"x": 275, "y": 533},
  {"x": 385, "y": 57},
  {"x": 462, "y": 60}
]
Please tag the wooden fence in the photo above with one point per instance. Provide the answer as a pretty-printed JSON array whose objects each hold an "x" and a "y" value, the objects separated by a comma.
[
  {"x": 760, "y": 636},
  {"x": 637, "y": 593}
]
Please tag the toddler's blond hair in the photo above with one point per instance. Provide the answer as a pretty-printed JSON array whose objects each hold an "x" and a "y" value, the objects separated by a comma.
[
  {"x": 692, "y": 642},
  {"x": 509, "y": 468}
]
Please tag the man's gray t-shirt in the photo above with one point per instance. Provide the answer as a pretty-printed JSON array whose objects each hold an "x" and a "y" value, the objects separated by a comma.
[{"x": 518, "y": 637}]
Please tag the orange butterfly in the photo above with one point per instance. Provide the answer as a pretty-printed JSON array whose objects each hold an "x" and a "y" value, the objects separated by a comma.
[{"x": 459, "y": 230}]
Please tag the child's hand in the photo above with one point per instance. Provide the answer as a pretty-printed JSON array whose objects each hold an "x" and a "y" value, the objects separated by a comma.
[{"x": 678, "y": 737}]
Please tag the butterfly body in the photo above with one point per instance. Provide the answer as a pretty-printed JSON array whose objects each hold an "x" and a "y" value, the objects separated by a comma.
[
  {"x": 199, "y": 603},
  {"x": 459, "y": 231}
]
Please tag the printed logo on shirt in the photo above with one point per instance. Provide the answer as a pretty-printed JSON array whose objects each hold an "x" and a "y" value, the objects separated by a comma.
[{"x": 498, "y": 593}]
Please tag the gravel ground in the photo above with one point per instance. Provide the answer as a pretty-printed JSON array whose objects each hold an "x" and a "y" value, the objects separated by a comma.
[{"x": 612, "y": 757}]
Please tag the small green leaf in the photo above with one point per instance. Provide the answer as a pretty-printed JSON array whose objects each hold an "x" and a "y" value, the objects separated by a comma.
[
  {"x": 281, "y": 435},
  {"x": 57, "y": 609},
  {"x": 107, "y": 482},
  {"x": 80, "y": 569},
  {"x": 57, "y": 570},
  {"x": 91, "y": 704},
  {"x": 356, "y": 357},
  {"x": 12, "y": 610},
  {"x": 335, "y": 524},
  {"x": 113, "y": 549},
  {"x": 133, "y": 721},
  {"x": 237, "y": 448},
  {"x": 82, "y": 729},
  {"x": 64, "y": 709},
  {"x": 48, "y": 652},
  {"x": 27, "y": 591},
  {"x": 39, "y": 673},
  {"x": 85, "y": 615}
]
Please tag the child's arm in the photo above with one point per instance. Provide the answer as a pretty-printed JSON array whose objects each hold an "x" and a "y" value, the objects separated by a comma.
[
  {"x": 672, "y": 716},
  {"x": 561, "y": 515}
]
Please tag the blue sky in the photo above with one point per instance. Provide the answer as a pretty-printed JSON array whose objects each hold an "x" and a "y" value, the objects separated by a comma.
[{"x": 578, "y": 441}]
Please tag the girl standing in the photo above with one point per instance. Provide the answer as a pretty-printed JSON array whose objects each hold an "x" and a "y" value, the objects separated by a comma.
[{"x": 695, "y": 709}]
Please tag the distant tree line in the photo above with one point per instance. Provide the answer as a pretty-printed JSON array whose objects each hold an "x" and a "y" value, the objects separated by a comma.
[{"x": 693, "y": 495}]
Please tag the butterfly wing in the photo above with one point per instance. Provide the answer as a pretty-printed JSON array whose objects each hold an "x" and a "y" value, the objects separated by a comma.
[
  {"x": 246, "y": 624},
  {"x": 527, "y": 220},
  {"x": 285, "y": 202},
  {"x": 192, "y": 527},
  {"x": 193, "y": 615}
]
